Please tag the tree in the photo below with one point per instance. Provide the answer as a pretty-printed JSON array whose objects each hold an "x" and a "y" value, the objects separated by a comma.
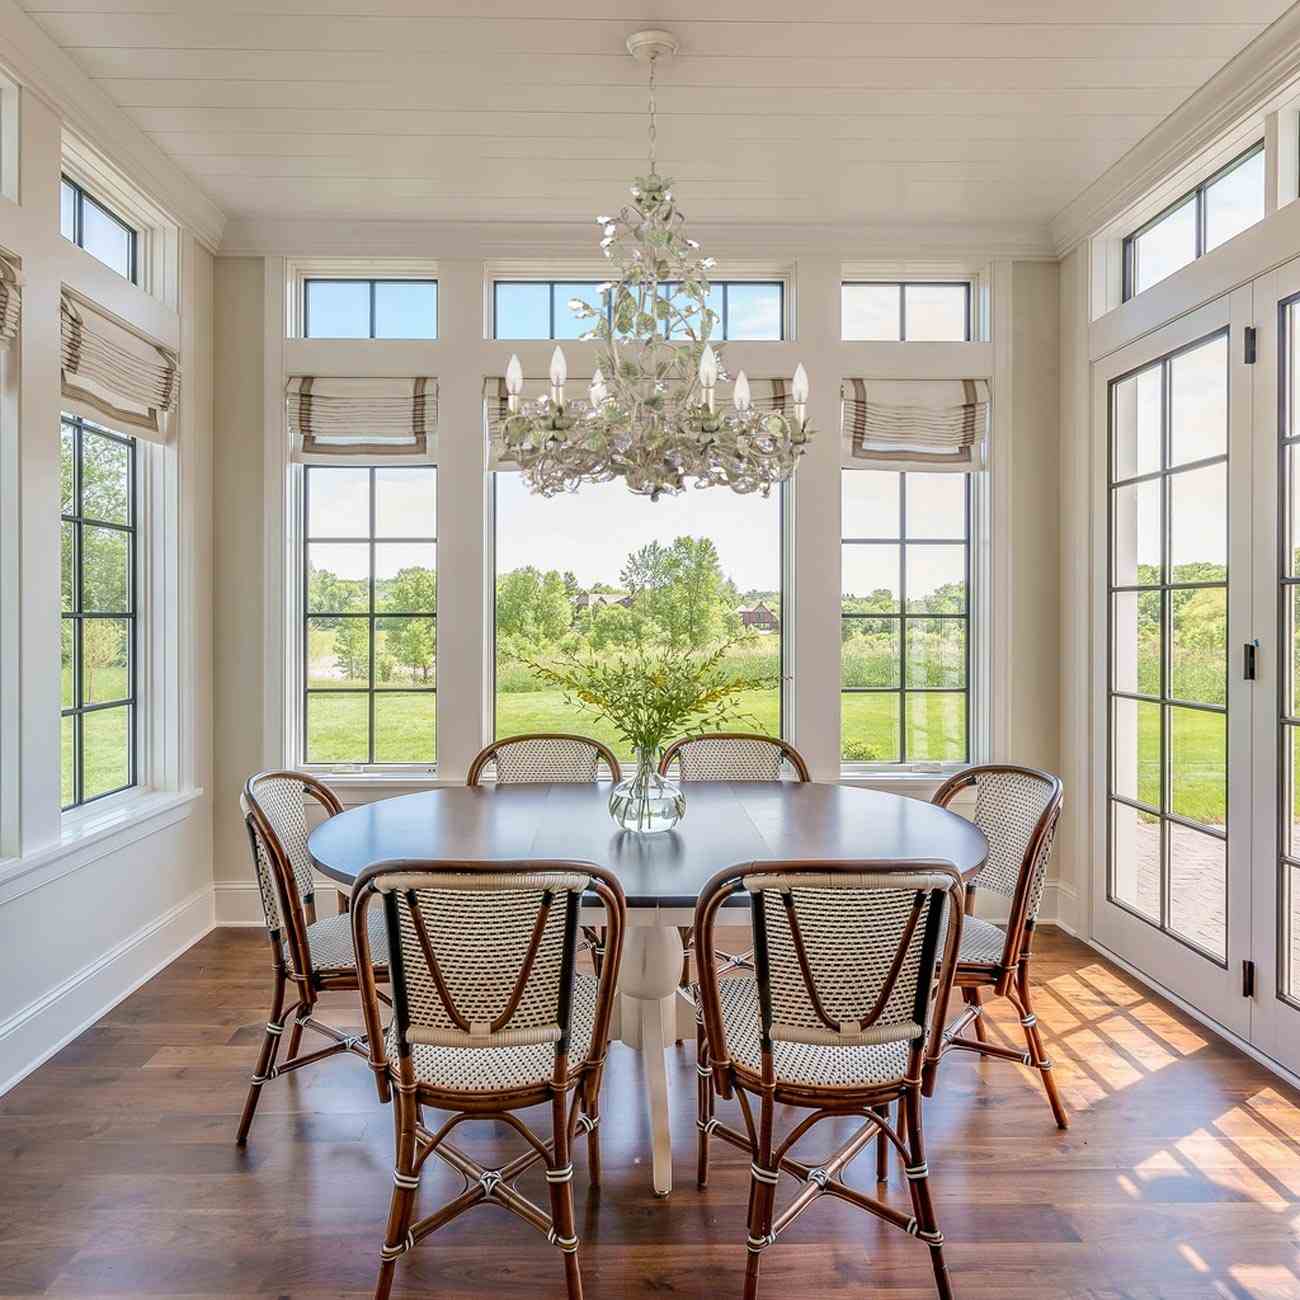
[
  {"x": 104, "y": 659},
  {"x": 352, "y": 648},
  {"x": 681, "y": 588},
  {"x": 532, "y": 605},
  {"x": 647, "y": 570},
  {"x": 616, "y": 626}
]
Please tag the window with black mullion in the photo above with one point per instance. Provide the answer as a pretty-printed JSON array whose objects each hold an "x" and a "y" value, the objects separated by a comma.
[
  {"x": 98, "y": 632},
  {"x": 369, "y": 615}
]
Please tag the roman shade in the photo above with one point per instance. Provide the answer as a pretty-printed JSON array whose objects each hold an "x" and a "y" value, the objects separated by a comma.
[
  {"x": 11, "y": 300},
  {"x": 395, "y": 420},
  {"x": 115, "y": 376},
  {"x": 916, "y": 424},
  {"x": 765, "y": 395}
]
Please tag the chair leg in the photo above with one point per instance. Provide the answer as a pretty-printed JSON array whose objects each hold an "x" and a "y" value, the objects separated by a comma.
[
  {"x": 265, "y": 1058},
  {"x": 762, "y": 1196},
  {"x": 685, "y": 981},
  {"x": 918, "y": 1183},
  {"x": 406, "y": 1182},
  {"x": 295, "y": 1041},
  {"x": 882, "y": 1147},
  {"x": 564, "y": 1234},
  {"x": 591, "y": 1108},
  {"x": 703, "y": 1104},
  {"x": 971, "y": 997},
  {"x": 1021, "y": 999}
]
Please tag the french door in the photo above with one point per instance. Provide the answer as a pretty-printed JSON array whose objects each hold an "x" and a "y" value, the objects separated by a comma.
[{"x": 1197, "y": 629}]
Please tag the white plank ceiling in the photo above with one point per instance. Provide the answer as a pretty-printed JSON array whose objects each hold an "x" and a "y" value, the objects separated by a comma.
[{"x": 931, "y": 111}]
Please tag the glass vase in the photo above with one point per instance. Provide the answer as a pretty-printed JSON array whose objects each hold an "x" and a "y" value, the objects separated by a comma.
[{"x": 646, "y": 802}]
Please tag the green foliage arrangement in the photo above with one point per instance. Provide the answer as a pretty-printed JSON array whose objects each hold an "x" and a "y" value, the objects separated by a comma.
[{"x": 651, "y": 694}]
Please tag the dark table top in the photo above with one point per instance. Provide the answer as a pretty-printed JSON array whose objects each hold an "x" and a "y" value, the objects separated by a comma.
[{"x": 725, "y": 823}]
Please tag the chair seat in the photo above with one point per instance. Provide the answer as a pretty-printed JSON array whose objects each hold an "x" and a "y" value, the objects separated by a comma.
[
  {"x": 330, "y": 939},
  {"x": 491, "y": 1069},
  {"x": 803, "y": 1064},
  {"x": 982, "y": 943}
]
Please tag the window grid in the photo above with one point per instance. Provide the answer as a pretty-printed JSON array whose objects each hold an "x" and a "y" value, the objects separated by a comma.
[
  {"x": 1195, "y": 195},
  {"x": 372, "y": 285},
  {"x": 1166, "y": 700},
  {"x": 904, "y": 285},
  {"x": 79, "y": 616},
  {"x": 371, "y": 615},
  {"x": 723, "y": 285},
  {"x": 902, "y": 618},
  {"x": 78, "y": 235}
]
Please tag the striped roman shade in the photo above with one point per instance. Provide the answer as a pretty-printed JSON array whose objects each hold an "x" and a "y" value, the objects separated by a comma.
[
  {"x": 765, "y": 394},
  {"x": 395, "y": 420},
  {"x": 918, "y": 424},
  {"x": 114, "y": 376},
  {"x": 11, "y": 300}
]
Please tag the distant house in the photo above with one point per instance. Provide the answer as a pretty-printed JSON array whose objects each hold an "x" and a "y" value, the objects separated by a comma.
[
  {"x": 758, "y": 617},
  {"x": 594, "y": 600}
]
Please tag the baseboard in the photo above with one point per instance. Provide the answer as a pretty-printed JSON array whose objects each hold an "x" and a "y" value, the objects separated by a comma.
[
  {"x": 236, "y": 902},
  {"x": 1060, "y": 907},
  {"x": 30, "y": 1036}
]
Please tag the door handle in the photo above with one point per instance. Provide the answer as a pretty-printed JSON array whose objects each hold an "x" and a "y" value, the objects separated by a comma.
[{"x": 1250, "y": 660}]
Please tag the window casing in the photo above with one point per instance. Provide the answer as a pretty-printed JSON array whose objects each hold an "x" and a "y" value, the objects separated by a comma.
[
  {"x": 369, "y": 616},
  {"x": 99, "y": 612},
  {"x": 340, "y": 308},
  {"x": 1221, "y": 206},
  {"x": 906, "y": 311},
  {"x": 905, "y": 620},
  {"x": 92, "y": 225},
  {"x": 748, "y": 310},
  {"x": 590, "y": 583}
]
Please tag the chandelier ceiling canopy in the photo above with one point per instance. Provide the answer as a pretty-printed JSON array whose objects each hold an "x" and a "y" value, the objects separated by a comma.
[{"x": 653, "y": 414}]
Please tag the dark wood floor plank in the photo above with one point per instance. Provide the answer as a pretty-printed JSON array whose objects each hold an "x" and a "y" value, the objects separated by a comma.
[{"x": 1180, "y": 1177}]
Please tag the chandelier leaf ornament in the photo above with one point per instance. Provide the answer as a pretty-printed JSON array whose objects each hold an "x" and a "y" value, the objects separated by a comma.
[{"x": 653, "y": 414}]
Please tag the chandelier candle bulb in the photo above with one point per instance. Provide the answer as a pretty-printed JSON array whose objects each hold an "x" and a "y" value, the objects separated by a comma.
[
  {"x": 514, "y": 381},
  {"x": 597, "y": 392},
  {"x": 800, "y": 387},
  {"x": 708, "y": 373},
  {"x": 740, "y": 398},
  {"x": 559, "y": 373}
]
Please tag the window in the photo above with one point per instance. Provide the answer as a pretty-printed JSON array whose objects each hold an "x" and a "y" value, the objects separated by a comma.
[
  {"x": 1289, "y": 657},
  {"x": 1227, "y": 203},
  {"x": 602, "y": 570},
  {"x": 98, "y": 472},
  {"x": 905, "y": 617},
  {"x": 370, "y": 309},
  {"x": 920, "y": 311},
  {"x": 539, "y": 309},
  {"x": 1169, "y": 643},
  {"x": 102, "y": 233},
  {"x": 370, "y": 600}
]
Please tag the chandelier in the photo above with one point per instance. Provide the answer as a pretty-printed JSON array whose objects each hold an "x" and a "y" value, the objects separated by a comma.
[{"x": 653, "y": 414}]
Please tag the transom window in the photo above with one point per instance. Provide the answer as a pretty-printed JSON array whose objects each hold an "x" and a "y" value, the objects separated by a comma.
[
  {"x": 370, "y": 309},
  {"x": 98, "y": 473},
  {"x": 602, "y": 570},
  {"x": 369, "y": 618},
  {"x": 920, "y": 311},
  {"x": 905, "y": 617},
  {"x": 91, "y": 225},
  {"x": 1220, "y": 207},
  {"x": 539, "y": 309}
]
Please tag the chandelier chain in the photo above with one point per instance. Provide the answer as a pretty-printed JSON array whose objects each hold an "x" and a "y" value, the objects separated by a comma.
[{"x": 654, "y": 134}]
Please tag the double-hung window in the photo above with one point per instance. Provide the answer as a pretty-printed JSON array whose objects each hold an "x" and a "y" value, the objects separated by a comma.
[
  {"x": 94, "y": 226},
  {"x": 369, "y": 615},
  {"x": 99, "y": 564}
]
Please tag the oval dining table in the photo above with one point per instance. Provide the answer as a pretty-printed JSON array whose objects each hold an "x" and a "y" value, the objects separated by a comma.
[{"x": 662, "y": 874}]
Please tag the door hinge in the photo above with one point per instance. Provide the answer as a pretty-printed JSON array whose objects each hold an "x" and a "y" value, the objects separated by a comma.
[
  {"x": 1250, "y": 345},
  {"x": 1250, "y": 660},
  {"x": 1247, "y": 979}
]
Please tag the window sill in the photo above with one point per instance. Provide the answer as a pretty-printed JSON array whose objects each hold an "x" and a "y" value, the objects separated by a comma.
[
  {"x": 365, "y": 787},
  {"x": 87, "y": 838},
  {"x": 916, "y": 784}
]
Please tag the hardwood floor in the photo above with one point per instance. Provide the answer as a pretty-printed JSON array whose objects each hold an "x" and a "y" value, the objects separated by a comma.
[{"x": 1180, "y": 1177}]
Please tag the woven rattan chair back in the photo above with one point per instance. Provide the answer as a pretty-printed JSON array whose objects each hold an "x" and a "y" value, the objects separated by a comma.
[
  {"x": 276, "y": 816},
  {"x": 1017, "y": 808},
  {"x": 734, "y": 756},
  {"x": 543, "y": 756}
]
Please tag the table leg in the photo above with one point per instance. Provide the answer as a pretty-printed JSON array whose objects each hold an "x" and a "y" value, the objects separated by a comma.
[{"x": 652, "y": 967}]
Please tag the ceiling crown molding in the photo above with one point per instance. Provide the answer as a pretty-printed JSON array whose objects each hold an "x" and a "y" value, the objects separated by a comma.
[
  {"x": 40, "y": 67},
  {"x": 1246, "y": 82}
]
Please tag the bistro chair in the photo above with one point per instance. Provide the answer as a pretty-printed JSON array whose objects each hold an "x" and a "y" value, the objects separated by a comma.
[
  {"x": 1017, "y": 808},
  {"x": 307, "y": 953},
  {"x": 853, "y": 963},
  {"x": 729, "y": 756},
  {"x": 543, "y": 756},
  {"x": 489, "y": 1017}
]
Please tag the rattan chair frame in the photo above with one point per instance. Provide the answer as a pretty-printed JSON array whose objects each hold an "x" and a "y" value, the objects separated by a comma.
[
  {"x": 672, "y": 754},
  {"x": 307, "y": 980},
  {"x": 1009, "y": 976},
  {"x": 721, "y": 1076},
  {"x": 488, "y": 753},
  {"x": 580, "y": 1111}
]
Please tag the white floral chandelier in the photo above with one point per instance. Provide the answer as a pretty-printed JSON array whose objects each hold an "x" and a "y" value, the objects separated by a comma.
[{"x": 652, "y": 415}]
